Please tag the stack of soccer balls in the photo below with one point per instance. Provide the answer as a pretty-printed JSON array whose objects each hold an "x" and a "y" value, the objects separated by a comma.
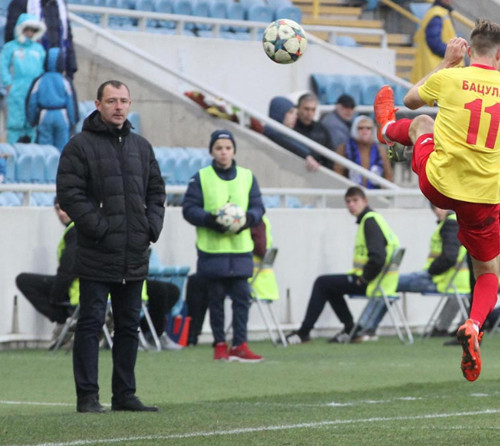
[
  {"x": 284, "y": 41},
  {"x": 232, "y": 217}
]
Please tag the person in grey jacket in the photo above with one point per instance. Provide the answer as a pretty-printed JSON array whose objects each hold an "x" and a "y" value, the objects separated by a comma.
[{"x": 109, "y": 183}]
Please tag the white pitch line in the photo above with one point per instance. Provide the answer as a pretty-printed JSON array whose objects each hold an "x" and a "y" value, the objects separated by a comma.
[
  {"x": 267, "y": 428},
  {"x": 33, "y": 403}
]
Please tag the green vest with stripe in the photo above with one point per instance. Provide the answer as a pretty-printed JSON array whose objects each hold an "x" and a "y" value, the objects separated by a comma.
[
  {"x": 74, "y": 289},
  {"x": 216, "y": 193},
  {"x": 441, "y": 280},
  {"x": 390, "y": 282},
  {"x": 265, "y": 284}
]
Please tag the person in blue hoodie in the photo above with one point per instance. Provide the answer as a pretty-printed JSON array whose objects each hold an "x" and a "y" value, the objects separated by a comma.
[
  {"x": 21, "y": 61},
  {"x": 51, "y": 103}
]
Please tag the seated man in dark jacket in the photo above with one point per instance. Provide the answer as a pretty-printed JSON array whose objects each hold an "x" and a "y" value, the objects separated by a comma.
[{"x": 55, "y": 296}]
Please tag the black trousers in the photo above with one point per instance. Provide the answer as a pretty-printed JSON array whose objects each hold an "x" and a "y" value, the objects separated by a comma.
[
  {"x": 126, "y": 305},
  {"x": 197, "y": 303},
  {"x": 331, "y": 288},
  {"x": 162, "y": 297},
  {"x": 36, "y": 288}
]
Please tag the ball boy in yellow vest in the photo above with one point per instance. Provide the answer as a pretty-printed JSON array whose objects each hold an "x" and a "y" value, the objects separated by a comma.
[
  {"x": 374, "y": 245},
  {"x": 225, "y": 258}
]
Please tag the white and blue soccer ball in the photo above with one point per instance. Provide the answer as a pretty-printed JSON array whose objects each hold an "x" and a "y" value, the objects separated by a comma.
[
  {"x": 232, "y": 217},
  {"x": 284, "y": 41}
]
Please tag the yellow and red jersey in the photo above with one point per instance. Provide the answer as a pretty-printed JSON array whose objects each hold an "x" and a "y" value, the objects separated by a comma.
[{"x": 465, "y": 164}]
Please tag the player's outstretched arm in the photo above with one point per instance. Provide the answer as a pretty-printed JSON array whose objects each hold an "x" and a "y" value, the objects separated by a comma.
[{"x": 455, "y": 52}]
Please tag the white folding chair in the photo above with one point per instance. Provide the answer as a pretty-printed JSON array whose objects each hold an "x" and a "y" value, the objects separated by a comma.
[
  {"x": 267, "y": 262},
  {"x": 450, "y": 292},
  {"x": 391, "y": 303}
]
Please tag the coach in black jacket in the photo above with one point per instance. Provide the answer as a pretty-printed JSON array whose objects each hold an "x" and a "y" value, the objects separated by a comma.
[{"x": 110, "y": 185}]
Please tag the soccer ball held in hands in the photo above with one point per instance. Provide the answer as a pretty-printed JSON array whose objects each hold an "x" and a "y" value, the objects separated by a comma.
[{"x": 231, "y": 216}]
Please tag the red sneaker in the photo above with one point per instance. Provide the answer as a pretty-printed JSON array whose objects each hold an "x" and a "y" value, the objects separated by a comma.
[
  {"x": 385, "y": 112},
  {"x": 471, "y": 357},
  {"x": 220, "y": 352},
  {"x": 242, "y": 353}
]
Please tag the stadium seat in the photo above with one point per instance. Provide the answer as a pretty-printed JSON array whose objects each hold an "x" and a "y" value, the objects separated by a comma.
[
  {"x": 38, "y": 168},
  {"x": 13, "y": 198},
  {"x": 201, "y": 8},
  {"x": 271, "y": 201},
  {"x": 51, "y": 164},
  {"x": 121, "y": 22},
  {"x": 260, "y": 13},
  {"x": 165, "y": 7},
  {"x": 236, "y": 11},
  {"x": 23, "y": 169},
  {"x": 218, "y": 9},
  {"x": 135, "y": 120},
  {"x": 371, "y": 86},
  {"x": 335, "y": 88},
  {"x": 288, "y": 12},
  {"x": 399, "y": 94},
  {"x": 182, "y": 170},
  {"x": 345, "y": 41},
  {"x": 184, "y": 7},
  {"x": 353, "y": 86},
  {"x": 320, "y": 84},
  {"x": 147, "y": 6},
  {"x": 10, "y": 174}
]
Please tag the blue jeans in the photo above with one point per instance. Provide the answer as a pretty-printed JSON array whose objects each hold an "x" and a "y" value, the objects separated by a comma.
[
  {"x": 126, "y": 304},
  {"x": 417, "y": 282}
]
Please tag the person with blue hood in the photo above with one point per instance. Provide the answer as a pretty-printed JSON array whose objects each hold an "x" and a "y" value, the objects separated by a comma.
[
  {"x": 21, "y": 61},
  {"x": 283, "y": 110},
  {"x": 51, "y": 103},
  {"x": 54, "y": 15}
]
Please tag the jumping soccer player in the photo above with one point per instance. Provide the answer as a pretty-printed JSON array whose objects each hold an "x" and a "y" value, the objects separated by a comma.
[{"x": 457, "y": 159}]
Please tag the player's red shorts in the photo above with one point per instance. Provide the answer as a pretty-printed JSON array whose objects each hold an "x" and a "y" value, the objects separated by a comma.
[{"x": 478, "y": 223}]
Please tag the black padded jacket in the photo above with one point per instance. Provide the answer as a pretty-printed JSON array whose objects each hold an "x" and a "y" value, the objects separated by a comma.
[{"x": 109, "y": 183}]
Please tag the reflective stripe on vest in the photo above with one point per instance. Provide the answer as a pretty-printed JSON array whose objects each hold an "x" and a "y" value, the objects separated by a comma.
[
  {"x": 74, "y": 288},
  {"x": 390, "y": 282},
  {"x": 216, "y": 193},
  {"x": 441, "y": 280}
]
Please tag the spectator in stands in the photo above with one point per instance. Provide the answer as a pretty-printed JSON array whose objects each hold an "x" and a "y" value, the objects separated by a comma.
[
  {"x": 445, "y": 254},
  {"x": 57, "y": 32},
  {"x": 196, "y": 289},
  {"x": 109, "y": 183},
  {"x": 225, "y": 258},
  {"x": 375, "y": 243},
  {"x": 307, "y": 126},
  {"x": 281, "y": 109},
  {"x": 21, "y": 62},
  {"x": 51, "y": 104},
  {"x": 55, "y": 296},
  {"x": 362, "y": 148},
  {"x": 431, "y": 38},
  {"x": 338, "y": 121}
]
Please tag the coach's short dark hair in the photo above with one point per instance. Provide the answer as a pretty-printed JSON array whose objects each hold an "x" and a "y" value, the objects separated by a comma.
[
  {"x": 113, "y": 83},
  {"x": 354, "y": 191},
  {"x": 307, "y": 97}
]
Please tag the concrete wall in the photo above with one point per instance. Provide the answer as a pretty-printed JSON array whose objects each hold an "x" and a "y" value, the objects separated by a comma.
[{"x": 310, "y": 241}]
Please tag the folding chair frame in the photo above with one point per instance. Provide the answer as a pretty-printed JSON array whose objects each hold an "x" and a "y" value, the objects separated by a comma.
[
  {"x": 391, "y": 303},
  {"x": 450, "y": 291}
]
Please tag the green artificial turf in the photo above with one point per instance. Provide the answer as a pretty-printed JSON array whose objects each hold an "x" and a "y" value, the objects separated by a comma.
[{"x": 377, "y": 393}]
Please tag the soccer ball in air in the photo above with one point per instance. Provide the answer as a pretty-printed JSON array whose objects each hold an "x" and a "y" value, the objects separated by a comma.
[
  {"x": 232, "y": 217},
  {"x": 284, "y": 41}
]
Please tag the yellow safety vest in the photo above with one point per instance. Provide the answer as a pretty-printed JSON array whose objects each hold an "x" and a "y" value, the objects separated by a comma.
[
  {"x": 441, "y": 280},
  {"x": 216, "y": 193},
  {"x": 265, "y": 284},
  {"x": 74, "y": 289},
  {"x": 425, "y": 59},
  {"x": 390, "y": 282}
]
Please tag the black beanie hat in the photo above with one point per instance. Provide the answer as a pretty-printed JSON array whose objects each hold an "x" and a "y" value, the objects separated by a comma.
[{"x": 221, "y": 134}]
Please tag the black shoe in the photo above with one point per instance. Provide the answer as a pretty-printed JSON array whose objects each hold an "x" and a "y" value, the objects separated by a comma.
[
  {"x": 439, "y": 333},
  {"x": 89, "y": 404},
  {"x": 133, "y": 404},
  {"x": 295, "y": 337}
]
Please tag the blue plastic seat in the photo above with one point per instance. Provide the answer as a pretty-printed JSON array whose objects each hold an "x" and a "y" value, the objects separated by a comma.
[
  {"x": 218, "y": 9},
  {"x": 271, "y": 201},
  {"x": 51, "y": 165},
  {"x": 236, "y": 11},
  {"x": 260, "y": 13},
  {"x": 201, "y": 8},
  {"x": 288, "y": 12},
  {"x": 184, "y": 7},
  {"x": 38, "y": 168},
  {"x": 23, "y": 168},
  {"x": 371, "y": 86},
  {"x": 337, "y": 86},
  {"x": 13, "y": 198},
  {"x": 353, "y": 88},
  {"x": 346, "y": 41},
  {"x": 320, "y": 83},
  {"x": 399, "y": 94},
  {"x": 165, "y": 7}
]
